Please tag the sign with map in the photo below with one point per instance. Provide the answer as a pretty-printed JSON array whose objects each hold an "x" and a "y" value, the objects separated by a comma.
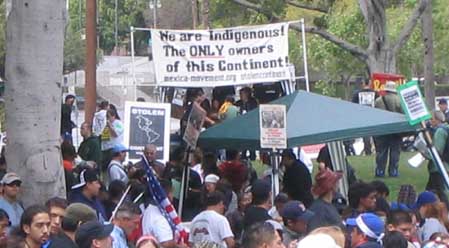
[{"x": 147, "y": 123}]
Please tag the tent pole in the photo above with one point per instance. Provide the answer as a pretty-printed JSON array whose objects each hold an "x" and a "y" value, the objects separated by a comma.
[{"x": 184, "y": 181}]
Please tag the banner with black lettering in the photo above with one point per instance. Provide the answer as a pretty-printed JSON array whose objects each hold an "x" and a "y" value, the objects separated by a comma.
[
  {"x": 219, "y": 57},
  {"x": 147, "y": 123}
]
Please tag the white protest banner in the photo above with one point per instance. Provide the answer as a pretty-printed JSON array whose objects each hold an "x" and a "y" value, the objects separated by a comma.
[
  {"x": 219, "y": 57},
  {"x": 194, "y": 125},
  {"x": 413, "y": 103},
  {"x": 147, "y": 123},
  {"x": 273, "y": 126}
]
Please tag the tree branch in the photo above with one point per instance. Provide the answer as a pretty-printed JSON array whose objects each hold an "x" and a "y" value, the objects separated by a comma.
[
  {"x": 409, "y": 26},
  {"x": 351, "y": 48},
  {"x": 307, "y": 6},
  {"x": 256, "y": 7}
]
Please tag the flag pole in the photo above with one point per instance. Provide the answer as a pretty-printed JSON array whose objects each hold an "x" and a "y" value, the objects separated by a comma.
[{"x": 119, "y": 203}]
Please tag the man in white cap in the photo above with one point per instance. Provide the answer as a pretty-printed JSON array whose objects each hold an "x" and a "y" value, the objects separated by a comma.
[
  {"x": 391, "y": 143},
  {"x": 9, "y": 202}
]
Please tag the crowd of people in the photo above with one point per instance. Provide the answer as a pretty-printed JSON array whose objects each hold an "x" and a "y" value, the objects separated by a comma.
[{"x": 225, "y": 203}]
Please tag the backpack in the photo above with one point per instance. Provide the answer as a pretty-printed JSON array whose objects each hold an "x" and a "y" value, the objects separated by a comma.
[{"x": 445, "y": 155}]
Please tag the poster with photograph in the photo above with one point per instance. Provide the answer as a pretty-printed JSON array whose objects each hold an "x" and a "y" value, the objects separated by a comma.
[
  {"x": 273, "y": 126},
  {"x": 147, "y": 123},
  {"x": 178, "y": 96},
  {"x": 194, "y": 125}
]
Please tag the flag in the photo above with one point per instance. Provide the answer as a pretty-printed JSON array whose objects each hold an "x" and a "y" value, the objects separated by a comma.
[{"x": 163, "y": 203}]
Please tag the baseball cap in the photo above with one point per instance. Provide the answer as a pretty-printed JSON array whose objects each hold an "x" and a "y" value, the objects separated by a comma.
[
  {"x": 78, "y": 212},
  {"x": 211, "y": 178},
  {"x": 119, "y": 148},
  {"x": 442, "y": 101},
  {"x": 86, "y": 176},
  {"x": 370, "y": 224},
  {"x": 261, "y": 189},
  {"x": 424, "y": 198},
  {"x": 92, "y": 230},
  {"x": 295, "y": 210},
  {"x": 10, "y": 177}
]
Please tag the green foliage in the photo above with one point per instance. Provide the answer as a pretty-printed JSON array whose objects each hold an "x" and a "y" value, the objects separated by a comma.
[
  {"x": 130, "y": 13},
  {"x": 344, "y": 21},
  {"x": 74, "y": 50},
  {"x": 326, "y": 88}
]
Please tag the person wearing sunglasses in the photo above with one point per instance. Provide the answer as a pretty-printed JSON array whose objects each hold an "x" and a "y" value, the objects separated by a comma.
[{"x": 9, "y": 201}]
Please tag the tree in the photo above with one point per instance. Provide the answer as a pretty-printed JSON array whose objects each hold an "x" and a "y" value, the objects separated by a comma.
[
  {"x": 130, "y": 13},
  {"x": 34, "y": 61},
  {"x": 2, "y": 38},
  {"x": 380, "y": 53}
]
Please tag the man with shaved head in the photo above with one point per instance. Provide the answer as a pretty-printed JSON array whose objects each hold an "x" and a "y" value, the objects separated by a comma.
[{"x": 150, "y": 153}]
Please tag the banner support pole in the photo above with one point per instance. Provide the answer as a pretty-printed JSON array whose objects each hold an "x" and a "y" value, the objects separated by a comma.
[
  {"x": 435, "y": 156},
  {"x": 304, "y": 49}
]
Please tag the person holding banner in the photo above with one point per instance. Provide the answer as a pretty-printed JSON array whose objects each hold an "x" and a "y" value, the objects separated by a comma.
[
  {"x": 440, "y": 136},
  {"x": 388, "y": 147}
]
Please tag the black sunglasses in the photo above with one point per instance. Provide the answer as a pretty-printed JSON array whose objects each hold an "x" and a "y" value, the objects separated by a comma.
[{"x": 15, "y": 183}]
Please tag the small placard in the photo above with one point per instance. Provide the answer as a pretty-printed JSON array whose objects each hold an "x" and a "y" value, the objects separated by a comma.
[
  {"x": 413, "y": 103},
  {"x": 273, "y": 126}
]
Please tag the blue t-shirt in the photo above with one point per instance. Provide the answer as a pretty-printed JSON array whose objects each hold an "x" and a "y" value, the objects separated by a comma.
[{"x": 14, "y": 211}]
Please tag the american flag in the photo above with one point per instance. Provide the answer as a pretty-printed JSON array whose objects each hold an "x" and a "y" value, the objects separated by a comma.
[{"x": 164, "y": 204}]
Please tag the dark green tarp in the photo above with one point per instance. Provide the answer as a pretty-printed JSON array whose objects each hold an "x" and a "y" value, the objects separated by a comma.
[{"x": 311, "y": 119}]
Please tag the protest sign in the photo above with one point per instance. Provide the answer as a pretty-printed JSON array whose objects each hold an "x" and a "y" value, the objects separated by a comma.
[
  {"x": 194, "y": 125},
  {"x": 367, "y": 98},
  {"x": 412, "y": 103},
  {"x": 147, "y": 123},
  {"x": 273, "y": 126},
  {"x": 220, "y": 57},
  {"x": 378, "y": 81}
]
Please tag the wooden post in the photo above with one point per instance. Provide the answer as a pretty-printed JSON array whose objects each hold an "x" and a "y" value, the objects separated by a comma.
[{"x": 90, "y": 88}]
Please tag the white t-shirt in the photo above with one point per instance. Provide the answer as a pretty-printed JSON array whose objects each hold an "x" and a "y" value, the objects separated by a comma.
[
  {"x": 154, "y": 223},
  {"x": 212, "y": 226},
  {"x": 107, "y": 140}
]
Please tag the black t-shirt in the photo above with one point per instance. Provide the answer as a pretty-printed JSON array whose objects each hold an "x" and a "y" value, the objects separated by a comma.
[
  {"x": 62, "y": 240},
  {"x": 253, "y": 215}
]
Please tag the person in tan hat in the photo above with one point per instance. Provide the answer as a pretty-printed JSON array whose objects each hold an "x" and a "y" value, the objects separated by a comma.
[
  {"x": 388, "y": 147},
  {"x": 9, "y": 201},
  {"x": 324, "y": 189}
]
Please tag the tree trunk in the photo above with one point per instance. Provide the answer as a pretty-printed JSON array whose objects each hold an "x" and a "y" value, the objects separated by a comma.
[
  {"x": 195, "y": 14},
  {"x": 34, "y": 63},
  {"x": 205, "y": 15},
  {"x": 427, "y": 29}
]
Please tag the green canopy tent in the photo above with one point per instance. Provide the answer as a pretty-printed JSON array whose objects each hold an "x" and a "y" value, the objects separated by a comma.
[{"x": 311, "y": 119}]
